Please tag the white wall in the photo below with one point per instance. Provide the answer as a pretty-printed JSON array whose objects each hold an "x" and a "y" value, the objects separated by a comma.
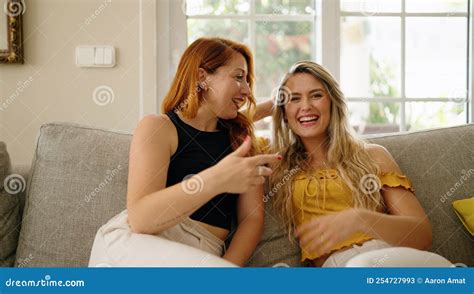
[{"x": 50, "y": 88}]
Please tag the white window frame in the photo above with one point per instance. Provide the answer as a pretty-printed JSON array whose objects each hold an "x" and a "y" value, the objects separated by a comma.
[
  {"x": 471, "y": 65},
  {"x": 171, "y": 36},
  {"x": 403, "y": 99},
  {"x": 253, "y": 17},
  {"x": 327, "y": 23}
]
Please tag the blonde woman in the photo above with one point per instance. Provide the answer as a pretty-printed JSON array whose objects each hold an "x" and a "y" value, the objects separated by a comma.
[{"x": 346, "y": 197}]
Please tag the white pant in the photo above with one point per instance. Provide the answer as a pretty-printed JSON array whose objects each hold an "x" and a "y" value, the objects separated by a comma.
[
  {"x": 377, "y": 253},
  {"x": 115, "y": 245}
]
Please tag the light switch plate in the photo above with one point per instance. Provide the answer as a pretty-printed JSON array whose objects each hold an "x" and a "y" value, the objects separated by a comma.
[
  {"x": 95, "y": 56},
  {"x": 99, "y": 56},
  {"x": 85, "y": 56},
  {"x": 109, "y": 56}
]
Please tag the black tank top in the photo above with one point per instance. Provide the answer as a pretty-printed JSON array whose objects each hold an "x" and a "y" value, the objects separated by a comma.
[{"x": 198, "y": 150}]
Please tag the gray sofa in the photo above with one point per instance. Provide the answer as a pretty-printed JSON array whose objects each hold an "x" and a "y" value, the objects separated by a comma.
[{"x": 78, "y": 181}]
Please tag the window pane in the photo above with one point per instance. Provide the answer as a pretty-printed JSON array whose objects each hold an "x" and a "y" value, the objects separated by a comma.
[
  {"x": 374, "y": 117},
  {"x": 279, "y": 45},
  {"x": 236, "y": 30},
  {"x": 371, "y": 7},
  {"x": 424, "y": 115},
  {"x": 216, "y": 7},
  {"x": 435, "y": 57},
  {"x": 284, "y": 7},
  {"x": 370, "y": 56},
  {"x": 436, "y": 5}
]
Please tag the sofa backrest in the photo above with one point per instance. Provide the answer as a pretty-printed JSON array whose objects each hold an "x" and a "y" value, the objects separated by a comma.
[
  {"x": 440, "y": 164},
  {"x": 10, "y": 186},
  {"x": 78, "y": 181}
]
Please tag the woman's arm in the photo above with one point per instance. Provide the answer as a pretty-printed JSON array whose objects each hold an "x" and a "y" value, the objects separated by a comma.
[
  {"x": 264, "y": 109},
  {"x": 250, "y": 227},
  {"x": 153, "y": 207},
  {"x": 398, "y": 230},
  {"x": 406, "y": 223}
]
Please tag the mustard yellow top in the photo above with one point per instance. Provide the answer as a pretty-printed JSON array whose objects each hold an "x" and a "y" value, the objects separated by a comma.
[{"x": 324, "y": 192}]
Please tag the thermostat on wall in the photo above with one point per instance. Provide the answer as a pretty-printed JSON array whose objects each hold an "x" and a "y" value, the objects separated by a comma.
[{"x": 95, "y": 56}]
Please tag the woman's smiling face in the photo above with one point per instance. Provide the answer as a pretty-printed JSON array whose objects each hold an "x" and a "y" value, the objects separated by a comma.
[
  {"x": 228, "y": 88},
  {"x": 308, "y": 110}
]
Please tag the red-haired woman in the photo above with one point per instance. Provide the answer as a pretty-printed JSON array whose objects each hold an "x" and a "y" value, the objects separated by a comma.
[{"x": 195, "y": 175}]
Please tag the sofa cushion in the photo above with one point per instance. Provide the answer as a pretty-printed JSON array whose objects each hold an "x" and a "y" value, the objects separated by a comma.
[
  {"x": 78, "y": 181},
  {"x": 22, "y": 171},
  {"x": 440, "y": 164},
  {"x": 275, "y": 249},
  {"x": 5, "y": 164},
  {"x": 10, "y": 186},
  {"x": 465, "y": 211}
]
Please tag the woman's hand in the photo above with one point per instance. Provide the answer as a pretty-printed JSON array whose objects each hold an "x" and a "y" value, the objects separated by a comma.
[
  {"x": 237, "y": 173},
  {"x": 323, "y": 233}
]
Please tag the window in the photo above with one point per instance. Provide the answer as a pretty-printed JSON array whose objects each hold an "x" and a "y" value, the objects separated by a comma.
[
  {"x": 403, "y": 64},
  {"x": 279, "y": 33}
]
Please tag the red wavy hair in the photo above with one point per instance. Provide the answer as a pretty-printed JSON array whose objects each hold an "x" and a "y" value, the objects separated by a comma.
[{"x": 185, "y": 96}]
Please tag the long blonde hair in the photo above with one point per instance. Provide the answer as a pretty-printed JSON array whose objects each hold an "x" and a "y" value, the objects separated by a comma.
[{"x": 346, "y": 153}]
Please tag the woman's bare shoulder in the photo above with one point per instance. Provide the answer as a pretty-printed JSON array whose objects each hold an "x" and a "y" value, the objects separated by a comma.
[
  {"x": 157, "y": 129},
  {"x": 382, "y": 157}
]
